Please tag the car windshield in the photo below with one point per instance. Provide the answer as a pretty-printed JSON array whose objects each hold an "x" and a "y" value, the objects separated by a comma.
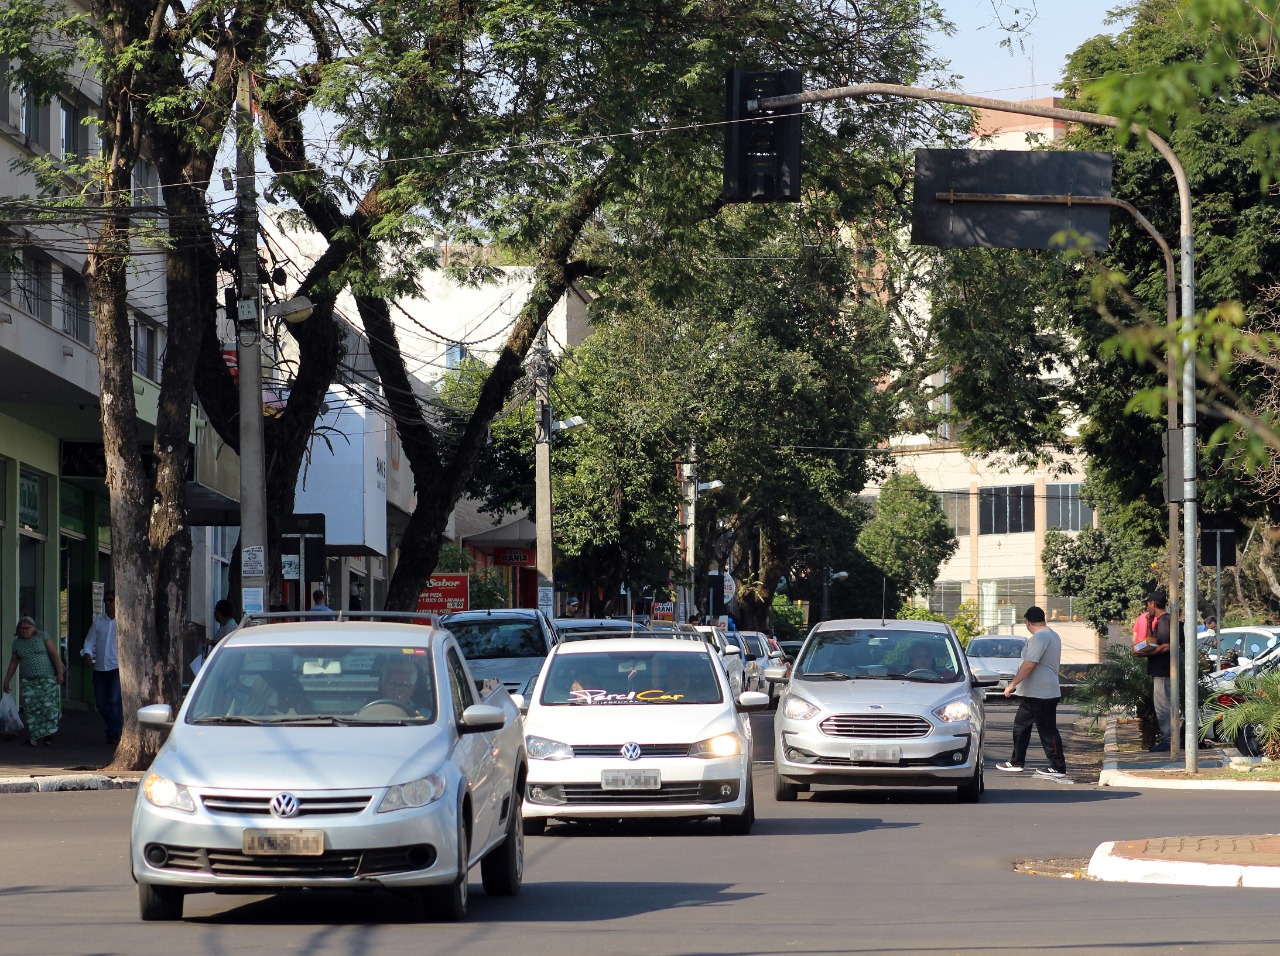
[
  {"x": 756, "y": 645},
  {"x": 884, "y": 654},
  {"x": 491, "y": 638},
  {"x": 317, "y": 686},
  {"x": 996, "y": 647},
  {"x": 622, "y": 678}
]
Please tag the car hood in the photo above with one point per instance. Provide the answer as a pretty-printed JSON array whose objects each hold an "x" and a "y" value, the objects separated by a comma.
[
  {"x": 877, "y": 695},
  {"x": 509, "y": 670},
  {"x": 995, "y": 665},
  {"x": 300, "y": 758},
  {"x": 582, "y": 725}
]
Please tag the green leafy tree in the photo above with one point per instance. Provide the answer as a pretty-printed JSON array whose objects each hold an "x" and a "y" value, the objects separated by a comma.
[{"x": 909, "y": 537}]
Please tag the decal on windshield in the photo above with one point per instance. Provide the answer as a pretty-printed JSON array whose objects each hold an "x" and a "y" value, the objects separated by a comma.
[{"x": 590, "y": 696}]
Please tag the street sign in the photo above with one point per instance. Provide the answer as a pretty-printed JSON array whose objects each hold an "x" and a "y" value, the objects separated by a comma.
[
  {"x": 515, "y": 557},
  {"x": 664, "y": 610},
  {"x": 966, "y": 198},
  {"x": 547, "y": 599},
  {"x": 446, "y": 593},
  {"x": 730, "y": 587},
  {"x": 253, "y": 562}
]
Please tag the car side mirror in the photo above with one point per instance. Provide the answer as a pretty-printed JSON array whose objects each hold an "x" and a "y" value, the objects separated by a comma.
[
  {"x": 775, "y": 674},
  {"x": 733, "y": 649},
  {"x": 777, "y": 656},
  {"x": 750, "y": 700},
  {"x": 156, "y": 716},
  {"x": 984, "y": 679},
  {"x": 522, "y": 705},
  {"x": 481, "y": 717}
]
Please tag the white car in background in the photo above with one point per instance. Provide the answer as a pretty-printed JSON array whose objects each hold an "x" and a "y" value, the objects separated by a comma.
[
  {"x": 996, "y": 656},
  {"x": 638, "y": 727},
  {"x": 730, "y": 655}
]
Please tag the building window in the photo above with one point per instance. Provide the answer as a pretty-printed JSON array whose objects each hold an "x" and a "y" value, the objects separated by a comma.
[
  {"x": 1007, "y": 510},
  {"x": 1061, "y": 607},
  {"x": 1065, "y": 508},
  {"x": 35, "y": 120},
  {"x": 35, "y": 286},
  {"x": 1003, "y": 601},
  {"x": 146, "y": 348},
  {"x": 955, "y": 505},
  {"x": 77, "y": 316},
  {"x": 72, "y": 132},
  {"x": 456, "y": 354},
  {"x": 945, "y": 597}
]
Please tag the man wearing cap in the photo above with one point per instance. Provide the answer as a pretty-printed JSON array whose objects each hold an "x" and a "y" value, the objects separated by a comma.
[
  {"x": 1157, "y": 654},
  {"x": 572, "y": 608}
]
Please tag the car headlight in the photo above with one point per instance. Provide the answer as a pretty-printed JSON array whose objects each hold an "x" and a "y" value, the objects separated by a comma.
[
  {"x": 540, "y": 748},
  {"x": 797, "y": 708},
  {"x": 958, "y": 709},
  {"x": 415, "y": 793},
  {"x": 725, "y": 745},
  {"x": 162, "y": 792}
]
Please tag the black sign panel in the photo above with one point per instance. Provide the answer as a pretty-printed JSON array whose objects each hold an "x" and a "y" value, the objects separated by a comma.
[{"x": 955, "y": 221}]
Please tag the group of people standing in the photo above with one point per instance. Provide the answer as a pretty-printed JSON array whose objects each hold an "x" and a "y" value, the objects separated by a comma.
[{"x": 36, "y": 661}]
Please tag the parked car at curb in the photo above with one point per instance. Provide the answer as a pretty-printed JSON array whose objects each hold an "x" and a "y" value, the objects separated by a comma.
[
  {"x": 638, "y": 727},
  {"x": 332, "y": 754},
  {"x": 881, "y": 704},
  {"x": 507, "y": 644}
]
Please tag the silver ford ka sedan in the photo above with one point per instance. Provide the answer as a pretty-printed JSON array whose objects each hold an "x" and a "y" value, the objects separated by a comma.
[{"x": 881, "y": 704}]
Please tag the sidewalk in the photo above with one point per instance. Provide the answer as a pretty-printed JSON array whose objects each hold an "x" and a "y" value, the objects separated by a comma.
[
  {"x": 1238, "y": 860},
  {"x": 74, "y": 761}
]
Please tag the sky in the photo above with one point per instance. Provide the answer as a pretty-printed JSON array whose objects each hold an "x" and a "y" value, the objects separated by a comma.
[{"x": 1060, "y": 26}]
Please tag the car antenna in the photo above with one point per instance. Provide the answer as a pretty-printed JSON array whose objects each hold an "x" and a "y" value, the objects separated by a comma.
[{"x": 884, "y": 591}]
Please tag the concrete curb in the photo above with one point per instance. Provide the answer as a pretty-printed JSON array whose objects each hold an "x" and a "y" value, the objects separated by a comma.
[
  {"x": 1113, "y": 776},
  {"x": 54, "y": 783},
  {"x": 1106, "y": 866}
]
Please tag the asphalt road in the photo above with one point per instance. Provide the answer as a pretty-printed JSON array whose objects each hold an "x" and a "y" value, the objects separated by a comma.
[{"x": 836, "y": 872}]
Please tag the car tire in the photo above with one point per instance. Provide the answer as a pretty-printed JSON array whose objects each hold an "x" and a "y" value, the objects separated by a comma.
[
  {"x": 783, "y": 790},
  {"x": 502, "y": 868},
  {"x": 448, "y": 904},
  {"x": 159, "y": 903},
  {"x": 1247, "y": 741},
  {"x": 972, "y": 789},
  {"x": 740, "y": 824}
]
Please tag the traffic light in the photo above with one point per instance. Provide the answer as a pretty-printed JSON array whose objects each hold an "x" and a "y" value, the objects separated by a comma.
[{"x": 762, "y": 147}]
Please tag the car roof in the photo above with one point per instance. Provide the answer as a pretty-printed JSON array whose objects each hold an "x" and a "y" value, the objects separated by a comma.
[
  {"x": 599, "y": 624},
  {"x": 878, "y": 624},
  {"x": 523, "y": 613},
  {"x": 631, "y": 644},
  {"x": 332, "y": 633}
]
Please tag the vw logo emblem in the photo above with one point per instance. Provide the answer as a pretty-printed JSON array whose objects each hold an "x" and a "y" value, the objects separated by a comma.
[
  {"x": 284, "y": 805},
  {"x": 631, "y": 751}
]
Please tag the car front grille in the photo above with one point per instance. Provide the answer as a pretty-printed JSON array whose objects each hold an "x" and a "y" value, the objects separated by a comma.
[
  {"x": 881, "y": 726},
  {"x": 307, "y": 805},
  {"x": 332, "y": 863},
  {"x": 646, "y": 750}
]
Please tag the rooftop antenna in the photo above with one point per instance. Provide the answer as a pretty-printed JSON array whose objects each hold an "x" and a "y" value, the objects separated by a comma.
[{"x": 884, "y": 597}]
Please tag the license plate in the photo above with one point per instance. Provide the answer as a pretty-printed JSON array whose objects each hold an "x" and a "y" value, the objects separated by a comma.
[
  {"x": 879, "y": 754},
  {"x": 630, "y": 780},
  {"x": 283, "y": 842}
]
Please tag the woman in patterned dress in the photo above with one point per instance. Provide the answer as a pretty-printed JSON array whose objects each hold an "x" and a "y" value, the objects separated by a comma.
[{"x": 38, "y": 681}]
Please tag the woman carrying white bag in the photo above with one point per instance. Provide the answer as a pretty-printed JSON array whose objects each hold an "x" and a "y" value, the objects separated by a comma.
[{"x": 40, "y": 676}]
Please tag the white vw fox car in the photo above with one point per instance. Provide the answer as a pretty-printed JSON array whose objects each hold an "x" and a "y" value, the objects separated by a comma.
[{"x": 638, "y": 727}]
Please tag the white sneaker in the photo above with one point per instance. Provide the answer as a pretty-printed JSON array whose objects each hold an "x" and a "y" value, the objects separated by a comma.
[
  {"x": 1051, "y": 774},
  {"x": 1009, "y": 767}
]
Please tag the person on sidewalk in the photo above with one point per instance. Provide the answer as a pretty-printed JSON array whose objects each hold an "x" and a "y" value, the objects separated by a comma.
[
  {"x": 318, "y": 604},
  {"x": 40, "y": 675},
  {"x": 99, "y": 652},
  {"x": 1036, "y": 683},
  {"x": 1157, "y": 654},
  {"x": 224, "y": 617}
]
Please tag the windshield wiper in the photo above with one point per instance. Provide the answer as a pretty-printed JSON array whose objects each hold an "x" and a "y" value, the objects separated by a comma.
[
  {"x": 231, "y": 719},
  {"x": 826, "y": 675},
  {"x": 926, "y": 680}
]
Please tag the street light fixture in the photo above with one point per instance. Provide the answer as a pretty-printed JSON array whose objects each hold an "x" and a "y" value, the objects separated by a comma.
[
  {"x": 567, "y": 425},
  {"x": 827, "y": 578}
]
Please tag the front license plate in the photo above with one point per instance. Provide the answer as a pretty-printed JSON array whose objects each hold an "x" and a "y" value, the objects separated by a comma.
[
  {"x": 630, "y": 780},
  {"x": 283, "y": 842},
  {"x": 881, "y": 754}
]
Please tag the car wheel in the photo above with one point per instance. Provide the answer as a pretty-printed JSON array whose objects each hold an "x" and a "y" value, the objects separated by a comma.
[
  {"x": 740, "y": 824},
  {"x": 971, "y": 790},
  {"x": 502, "y": 869},
  {"x": 535, "y": 826},
  {"x": 783, "y": 791},
  {"x": 448, "y": 904},
  {"x": 159, "y": 903},
  {"x": 1247, "y": 741}
]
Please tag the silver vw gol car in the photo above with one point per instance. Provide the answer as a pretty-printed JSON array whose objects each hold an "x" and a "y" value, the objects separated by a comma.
[
  {"x": 332, "y": 755},
  {"x": 880, "y": 704}
]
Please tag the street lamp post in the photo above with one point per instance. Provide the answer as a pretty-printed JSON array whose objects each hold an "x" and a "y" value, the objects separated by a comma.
[
  {"x": 827, "y": 577},
  {"x": 542, "y": 476}
]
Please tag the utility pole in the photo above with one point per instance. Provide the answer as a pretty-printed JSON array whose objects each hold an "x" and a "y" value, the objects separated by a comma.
[
  {"x": 248, "y": 322},
  {"x": 542, "y": 476}
]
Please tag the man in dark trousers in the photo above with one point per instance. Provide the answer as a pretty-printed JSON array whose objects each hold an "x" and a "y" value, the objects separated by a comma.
[
  {"x": 1036, "y": 684},
  {"x": 1157, "y": 654}
]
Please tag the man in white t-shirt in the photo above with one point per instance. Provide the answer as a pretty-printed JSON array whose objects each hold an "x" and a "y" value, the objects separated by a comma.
[{"x": 1036, "y": 684}]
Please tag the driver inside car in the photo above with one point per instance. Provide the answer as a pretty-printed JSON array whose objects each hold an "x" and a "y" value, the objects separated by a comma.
[
  {"x": 398, "y": 684},
  {"x": 920, "y": 658}
]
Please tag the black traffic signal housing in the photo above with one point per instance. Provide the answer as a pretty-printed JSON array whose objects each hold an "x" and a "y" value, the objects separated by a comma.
[{"x": 762, "y": 147}]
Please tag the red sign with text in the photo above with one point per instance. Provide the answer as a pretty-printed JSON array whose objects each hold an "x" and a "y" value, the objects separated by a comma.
[{"x": 446, "y": 593}]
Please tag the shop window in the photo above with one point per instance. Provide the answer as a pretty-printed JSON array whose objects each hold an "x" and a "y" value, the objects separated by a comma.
[
  {"x": 1003, "y": 601},
  {"x": 945, "y": 597}
]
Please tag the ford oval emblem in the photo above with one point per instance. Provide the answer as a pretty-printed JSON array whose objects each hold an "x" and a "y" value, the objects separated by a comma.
[
  {"x": 284, "y": 805},
  {"x": 631, "y": 751}
]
